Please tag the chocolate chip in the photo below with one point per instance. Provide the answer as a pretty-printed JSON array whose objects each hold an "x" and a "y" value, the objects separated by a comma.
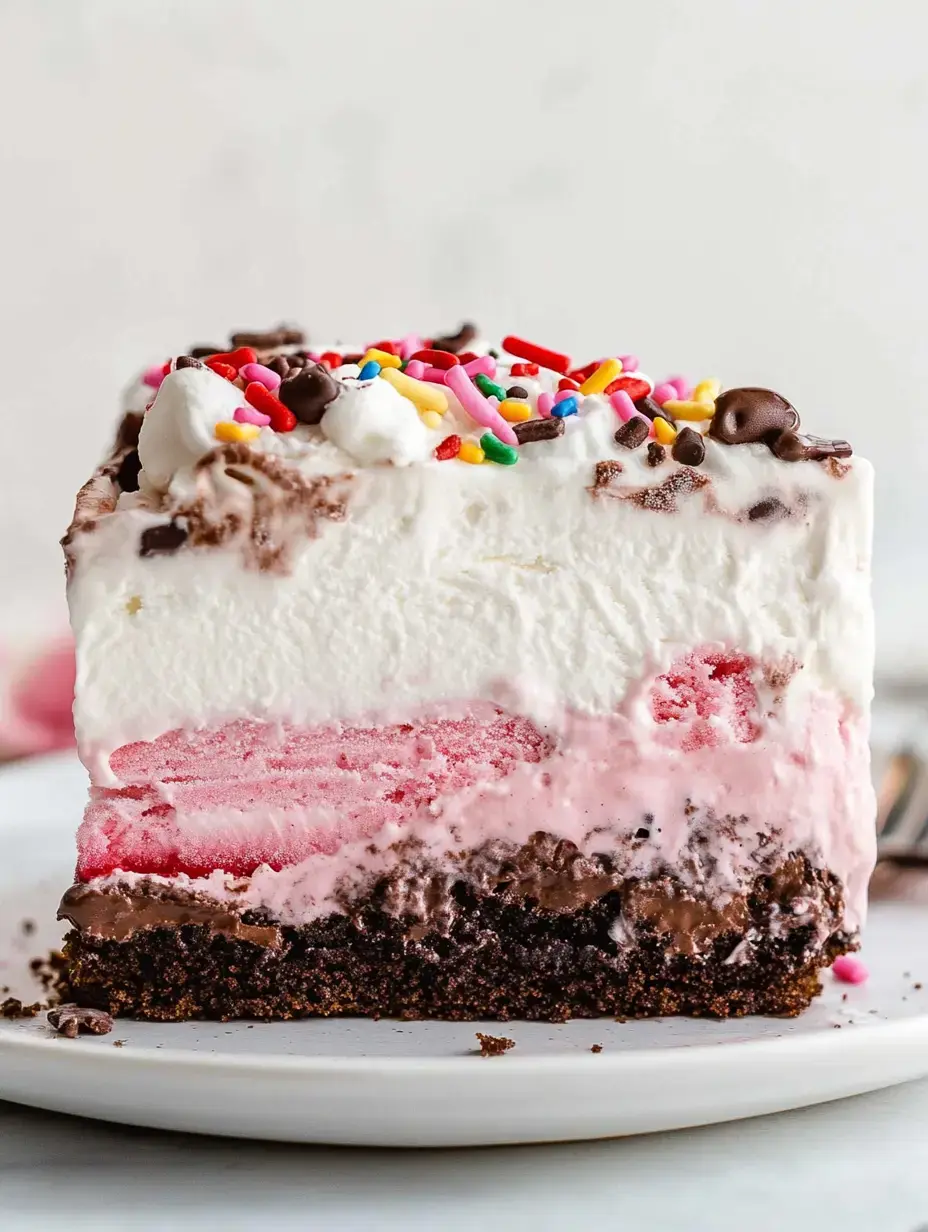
[
  {"x": 649, "y": 407},
  {"x": 69, "y": 1019},
  {"x": 769, "y": 510},
  {"x": 689, "y": 447},
  {"x": 127, "y": 477},
  {"x": 456, "y": 342},
  {"x": 308, "y": 393},
  {"x": 538, "y": 430},
  {"x": 281, "y": 365},
  {"x": 516, "y": 391},
  {"x": 268, "y": 339},
  {"x": 798, "y": 447},
  {"x": 642, "y": 832},
  {"x": 746, "y": 416},
  {"x": 656, "y": 453},
  {"x": 632, "y": 433},
  {"x": 186, "y": 361},
  {"x": 161, "y": 540},
  {"x": 201, "y": 352}
]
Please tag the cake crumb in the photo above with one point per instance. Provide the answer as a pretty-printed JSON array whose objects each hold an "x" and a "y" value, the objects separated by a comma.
[
  {"x": 118, "y": 1043},
  {"x": 69, "y": 1020},
  {"x": 28, "y": 927},
  {"x": 596, "y": 1048},
  {"x": 494, "y": 1045},
  {"x": 917, "y": 987},
  {"x": 12, "y": 1007}
]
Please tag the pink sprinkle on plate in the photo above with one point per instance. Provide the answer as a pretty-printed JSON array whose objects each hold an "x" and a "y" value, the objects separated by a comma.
[{"x": 849, "y": 970}]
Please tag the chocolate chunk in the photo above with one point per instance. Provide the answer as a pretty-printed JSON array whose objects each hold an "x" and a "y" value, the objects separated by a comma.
[
  {"x": 308, "y": 393},
  {"x": 281, "y": 365},
  {"x": 127, "y": 477},
  {"x": 201, "y": 352},
  {"x": 69, "y": 1019},
  {"x": 186, "y": 361},
  {"x": 689, "y": 447},
  {"x": 268, "y": 339},
  {"x": 458, "y": 342},
  {"x": 631, "y": 434},
  {"x": 746, "y": 416},
  {"x": 649, "y": 407},
  {"x": 769, "y": 510},
  {"x": 161, "y": 540},
  {"x": 538, "y": 430},
  {"x": 494, "y": 1045},
  {"x": 656, "y": 453},
  {"x": 516, "y": 391},
  {"x": 798, "y": 447}
]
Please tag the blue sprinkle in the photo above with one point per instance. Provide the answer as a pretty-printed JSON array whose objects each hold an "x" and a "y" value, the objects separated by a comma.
[
  {"x": 369, "y": 371},
  {"x": 566, "y": 406}
]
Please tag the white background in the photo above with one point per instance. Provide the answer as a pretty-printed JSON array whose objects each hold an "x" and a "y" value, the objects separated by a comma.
[{"x": 724, "y": 187}]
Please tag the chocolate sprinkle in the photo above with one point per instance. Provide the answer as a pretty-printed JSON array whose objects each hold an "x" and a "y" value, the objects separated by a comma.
[
  {"x": 161, "y": 540},
  {"x": 187, "y": 361},
  {"x": 268, "y": 339},
  {"x": 656, "y": 453},
  {"x": 201, "y": 352},
  {"x": 797, "y": 447},
  {"x": 689, "y": 447},
  {"x": 746, "y": 416},
  {"x": 308, "y": 392},
  {"x": 455, "y": 343},
  {"x": 632, "y": 433},
  {"x": 538, "y": 430},
  {"x": 516, "y": 391},
  {"x": 127, "y": 477},
  {"x": 68, "y": 1020},
  {"x": 649, "y": 407}
]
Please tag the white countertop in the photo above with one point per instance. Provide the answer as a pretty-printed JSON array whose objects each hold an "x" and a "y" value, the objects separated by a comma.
[{"x": 857, "y": 1165}]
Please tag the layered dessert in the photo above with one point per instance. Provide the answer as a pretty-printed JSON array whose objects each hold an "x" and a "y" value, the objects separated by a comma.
[{"x": 440, "y": 680}]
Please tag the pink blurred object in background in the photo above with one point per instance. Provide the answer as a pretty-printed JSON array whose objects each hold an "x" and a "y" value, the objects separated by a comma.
[{"x": 36, "y": 695}]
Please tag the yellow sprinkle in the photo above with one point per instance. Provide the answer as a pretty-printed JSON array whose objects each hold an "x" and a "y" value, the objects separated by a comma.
[
  {"x": 470, "y": 451},
  {"x": 384, "y": 358},
  {"x": 604, "y": 375},
  {"x": 706, "y": 391},
  {"x": 432, "y": 419},
  {"x": 665, "y": 432},
  {"x": 228, "y": 431},
  {"x": 690, "y": 410},
  {"x": 426, "y": 397},
  {"x": 516, "y": 410}
]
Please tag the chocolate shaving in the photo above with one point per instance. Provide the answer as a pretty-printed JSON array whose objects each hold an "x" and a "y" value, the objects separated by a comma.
[
  {"x": 632, "y": 433},
  {"x": 162, "y": 540},
  {"x": 604, "y": 473},
  {"x": 796, "y": 447},
  {"x": 494, "y": 1045},
  {"x": 656, "y": 453},
  {"x": 268, "y": 339},
  {"x": 68, "y": 1020},
  {"x": 455, "y": 343},
  {"x": 769, "y": 510},
  {"x": 538, "y": 430},
  {"x": 689, "y": 447},
  {"x": 664, "y": 497},
  {"x": 308, "y": 392},
  {"x": 747, "y": 416}
]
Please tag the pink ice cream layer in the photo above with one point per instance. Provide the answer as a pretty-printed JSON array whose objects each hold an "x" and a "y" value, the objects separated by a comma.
[{"x": 701, "y": 774}]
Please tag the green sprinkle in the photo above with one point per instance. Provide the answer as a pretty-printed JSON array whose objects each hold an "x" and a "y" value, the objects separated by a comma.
[
  {"x": 489, "y": 388},
  {"x": 496, "y": 451}
]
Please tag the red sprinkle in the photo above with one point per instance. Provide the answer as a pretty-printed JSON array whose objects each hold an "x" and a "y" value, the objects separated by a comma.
[
  {"x": 536, "y": 354},
  {"x": 238, "y": 357},
  {"x": 281, "y": 417},
  {"x": 465, "y": 357},
  {"x": 523, "y": 370},
  {"x": 166, "y": 368},
  {"x": 331, "y": 359},
  {"x": 567, "y": 382},
  {"x": 634, "y": 386},
  {"x": 437, "y": 359},
  {"x": 389, "y": 348},
  {"x": 449, "y": 448},
  {"x": 581, "y": 374},
  {"x": 222, "y": 369}
]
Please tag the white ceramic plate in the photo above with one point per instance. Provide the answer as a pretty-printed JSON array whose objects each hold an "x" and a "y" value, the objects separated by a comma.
[{"x": 423, "y": 1084}]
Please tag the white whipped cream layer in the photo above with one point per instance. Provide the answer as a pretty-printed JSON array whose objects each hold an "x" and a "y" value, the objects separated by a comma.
[{"x": 515, "y": 585}]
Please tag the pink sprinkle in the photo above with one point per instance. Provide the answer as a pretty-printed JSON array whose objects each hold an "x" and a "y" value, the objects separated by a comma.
[
  {"x": 248, "y": 414},
  {"x": 409, "y": 345},
  {"x": 568, "y": 393},
  {"x": 545, "y": 403},
  {"x": 664, "y": 392},
  {"x": 485, "y": 364},
  {"x": 629, "y": 363},
  {"x": 476, "y": 405},
  {"x": 435, "y": 375},
  {"x": 849, "y": 970},
  {"x": 626, "y": 410},
  {"x": 683, "y": 387},
  {"x": 416, "y": 369},
  {"x": 257, "y": 372},
  {"x": 153, "y": 376}
]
